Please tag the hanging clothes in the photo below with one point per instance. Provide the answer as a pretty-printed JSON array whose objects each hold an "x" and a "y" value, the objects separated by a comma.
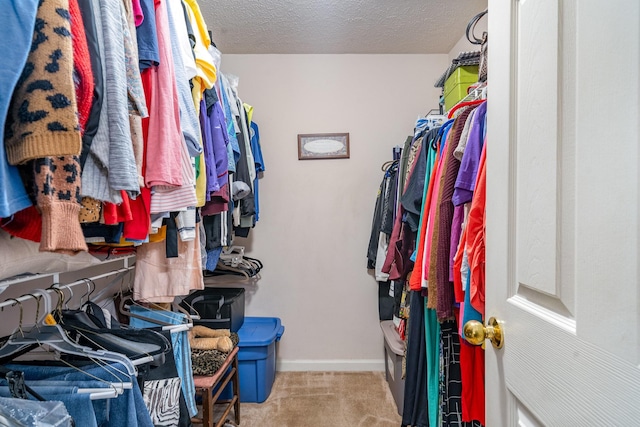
[
  {"x": 433, "y": 214},
  {"x": 439, "y": 270},
  {"x": 17, "y": 24},
  {"x": 122, "y": 143},
  {"x": 450, "y": 378},
  {"x": 415, "y": 412}
]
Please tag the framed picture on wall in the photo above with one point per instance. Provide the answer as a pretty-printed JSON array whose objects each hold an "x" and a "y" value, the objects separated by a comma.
[{"x": 314, "y": 146}]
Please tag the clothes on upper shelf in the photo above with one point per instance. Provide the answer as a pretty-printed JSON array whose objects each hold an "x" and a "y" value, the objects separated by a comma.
[
  {"x": 435, "y": 246},
  {"x": 119, "y": 128}
]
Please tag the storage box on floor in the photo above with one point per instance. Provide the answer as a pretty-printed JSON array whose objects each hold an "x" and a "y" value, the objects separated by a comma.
[
  {"x": 393, "y": 352},
  {"x": 456, "y": 86},
  {"x": 257, "y": 358}
]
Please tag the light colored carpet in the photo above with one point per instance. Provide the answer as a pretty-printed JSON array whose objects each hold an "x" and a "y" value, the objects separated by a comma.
[{"x": 324, "y": 399}]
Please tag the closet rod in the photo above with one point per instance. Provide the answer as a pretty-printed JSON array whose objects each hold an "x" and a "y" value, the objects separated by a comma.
[
  {"x": 30, "y": 296},
  {"x": 46, "y": 292},
  {"x": 5, "y": 283},
  {"x": 94, "y": 278},
  {"x": 107, "y": 287}
]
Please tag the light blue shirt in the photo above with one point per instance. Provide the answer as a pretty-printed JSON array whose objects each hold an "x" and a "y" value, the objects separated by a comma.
[{"x": 17, "y": 22}]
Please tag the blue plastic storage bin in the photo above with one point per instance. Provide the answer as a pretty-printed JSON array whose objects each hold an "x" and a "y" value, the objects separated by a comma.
[{"x": 257, "y": 358}]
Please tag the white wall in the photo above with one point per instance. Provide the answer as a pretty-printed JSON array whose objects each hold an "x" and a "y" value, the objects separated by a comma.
[{"x": 316, "y": 215}]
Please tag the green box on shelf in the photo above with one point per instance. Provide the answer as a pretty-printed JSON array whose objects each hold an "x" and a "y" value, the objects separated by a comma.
[{"x": 456, "y": 86}]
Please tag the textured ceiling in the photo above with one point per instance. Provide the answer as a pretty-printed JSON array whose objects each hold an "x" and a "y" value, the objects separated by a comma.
[{"x": 338, "y": 26}]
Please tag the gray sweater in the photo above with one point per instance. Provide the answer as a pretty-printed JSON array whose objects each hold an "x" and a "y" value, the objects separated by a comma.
[{"x": 111, "y": 165}]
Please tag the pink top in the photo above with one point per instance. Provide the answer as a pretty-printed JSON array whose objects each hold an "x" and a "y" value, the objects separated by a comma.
[
  {"x": 160, "y": 279},
  {"x": 165, "y": 140},
  {"x": 138, "y": 16}
]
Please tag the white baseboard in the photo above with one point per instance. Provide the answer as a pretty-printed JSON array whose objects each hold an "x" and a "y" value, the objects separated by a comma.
[{"x": 332, "y": 365}]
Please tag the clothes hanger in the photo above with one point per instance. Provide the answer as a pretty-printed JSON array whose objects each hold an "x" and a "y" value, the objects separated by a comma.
[
  {"x": 106, "y": 290},
  {"x": 90, "y": 290},
  {"x": 53, "y": 336},
  {"x": 82, "y": 326},
  {"x": 101, "y": 393},
  {"x": 471, "y": 26},
  {"x": 190, "y": 316},
  {"x": 255, "y": 262},
  {"x": 232, "y": 255},
  {"x": 386, "y": 165},
  {"x": 61, "y": 289},
  {"x": 166, "y": 326},
  {"x": 464, "y": 104},
  {"x": 172, "y": 327},
  {"x": 94, "y": 394},
  {"x": 193, "y": 315},
  {"x": 222, "y": 268}
]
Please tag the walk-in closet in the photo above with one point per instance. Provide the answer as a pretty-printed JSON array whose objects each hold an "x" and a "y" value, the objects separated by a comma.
[{"x": 319, "y": 213}]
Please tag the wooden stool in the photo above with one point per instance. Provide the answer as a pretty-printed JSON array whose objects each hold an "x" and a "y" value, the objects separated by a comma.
[{"x": 204, "y": 388}]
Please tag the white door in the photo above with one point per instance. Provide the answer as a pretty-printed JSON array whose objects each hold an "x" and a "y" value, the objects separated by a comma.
[{"x": 563, "y": 253}]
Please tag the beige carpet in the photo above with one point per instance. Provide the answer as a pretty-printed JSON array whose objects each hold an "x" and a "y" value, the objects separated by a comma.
[{"x": 324, "y": 399}]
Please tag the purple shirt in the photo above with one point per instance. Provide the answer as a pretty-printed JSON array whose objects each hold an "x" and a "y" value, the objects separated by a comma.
[
  {"x": 466, "y": 181},
  {"x": 220, "y": 142},
  {"x": 214, "y": 142},
  {"x": 207, "y": 149},
  {"x": 456, "y": 233}
]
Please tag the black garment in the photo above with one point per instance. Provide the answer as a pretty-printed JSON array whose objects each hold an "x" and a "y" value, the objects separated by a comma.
[
  {"x": 91, "y": 126},
  {"x": 416, "y": 407},
  {"x": 389, "y": 200},
  {"x": 242, "y": 231},
  {"x": 404, "y": 161},
  {"x": 210, "y": 98},
  {"x": 247, "y": 204},
  {"x": 212, "y": 228},
  {"x": 382, "y": 213},
  {"x": 451, "y": 388},
  {"x": 386, "y": 303},
  {"x": 414, "y": 191},
  {"x": 110, "y": 233},
  {"x": 397, "y": 297},
  {"x": 374, "y": 239},
  {"x": 411, "y": 199},
  {"x": 171, "y": 241}
]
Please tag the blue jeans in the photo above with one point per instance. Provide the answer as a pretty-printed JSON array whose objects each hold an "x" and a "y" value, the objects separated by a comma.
[
  {"x": 181, "y": 348},
  {"x": 127, "y": 409}
]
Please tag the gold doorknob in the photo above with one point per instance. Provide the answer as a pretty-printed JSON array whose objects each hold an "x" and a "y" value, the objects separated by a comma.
[{"x": 475, "y": 333}]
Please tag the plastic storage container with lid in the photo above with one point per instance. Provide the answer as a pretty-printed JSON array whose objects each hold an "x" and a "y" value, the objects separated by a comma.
[
  {"x": 257, "y": 357},
  {"x": 393, "y": 352},
  {"x": 456, "y": 86}
]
